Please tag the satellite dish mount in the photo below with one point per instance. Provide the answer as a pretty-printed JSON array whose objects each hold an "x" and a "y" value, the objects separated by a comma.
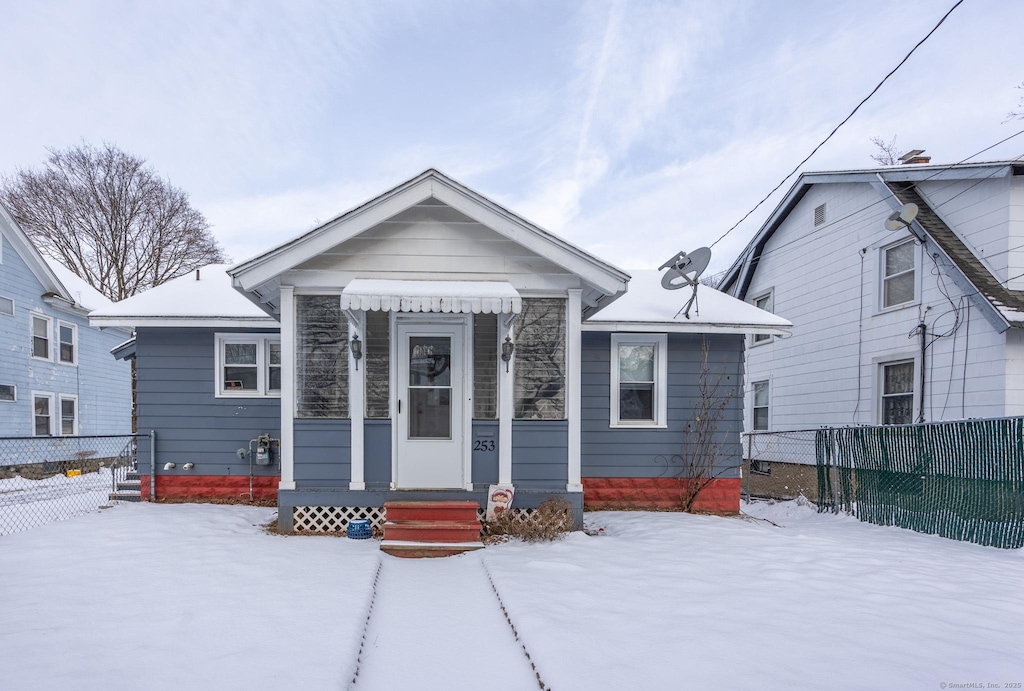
[
  {"x": 685, "y": 270},
  {"x": 901, "y": 217}
]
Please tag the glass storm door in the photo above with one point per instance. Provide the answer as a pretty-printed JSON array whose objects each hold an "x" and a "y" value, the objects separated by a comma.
[{"x": 429, "y": 402}]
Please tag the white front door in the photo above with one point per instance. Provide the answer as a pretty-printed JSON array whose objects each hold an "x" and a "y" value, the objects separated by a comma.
[{"x": 429, "y": 405}]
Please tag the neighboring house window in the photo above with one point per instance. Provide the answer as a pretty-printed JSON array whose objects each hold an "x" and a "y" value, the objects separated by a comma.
[
  {"x": 898, "y": 393},
  {"x": 766, "y": 303},
  {"x": 7, "y": 306},
  {"x": 321, "y": 350},
  {"x": 42, "y": 414},
  {"x": 760, "y": 407},
  {"x": 8, "y": 392},
  {"x": 41, "y": 337},
  {"x": 540, "y": 333},
  {"x": 245, "y": 365},
  {"x": 898, "y": 274},
  {"x": 68, "y": 415},
  {"x": 639, "y": 369},
  {"x": 67, "y": 342}
]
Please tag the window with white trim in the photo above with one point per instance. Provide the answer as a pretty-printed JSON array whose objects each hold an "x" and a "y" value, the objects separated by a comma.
[
  {"x": 540, "y": 337},
  {"x": 41, "y": 337},
  {"x": 68, "y": 415},
  {"x": 321, "y": 357},
  {"x": 6, "y": 306},
  {"x": 67, "y": 343},
  {"x": 899, "y": 274},
  {"x": 760, "y": 406},
  {"x": 897, "y": 392},
  {"x": 8, "y": 393},
  {"x": 248, "y": 365},
  {"x": 42, "y": 414},
  {"x": 639, "y": 370},
  {"x": 764, "y": 302}
]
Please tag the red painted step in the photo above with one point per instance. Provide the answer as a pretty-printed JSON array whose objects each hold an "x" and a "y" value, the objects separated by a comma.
[
  {"x": 461, "y": 511},
  {"x": 432, "y": 531}
]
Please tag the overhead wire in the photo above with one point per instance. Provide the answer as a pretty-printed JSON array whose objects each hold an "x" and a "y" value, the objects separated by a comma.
[{"x": 843, "y": 122}]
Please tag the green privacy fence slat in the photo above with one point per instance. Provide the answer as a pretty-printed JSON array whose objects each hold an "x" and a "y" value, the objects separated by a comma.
[{"x": 962, "y": 480}]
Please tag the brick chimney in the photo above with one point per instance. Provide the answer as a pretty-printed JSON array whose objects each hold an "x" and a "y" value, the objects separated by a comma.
[{"x": 912, "y": 157}]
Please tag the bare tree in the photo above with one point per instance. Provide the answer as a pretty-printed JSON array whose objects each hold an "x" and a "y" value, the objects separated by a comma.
[
  {"x": 888, "y": 153},
  {"x": 110, "y": 218},
  {"x": 1019, "y": 113}
]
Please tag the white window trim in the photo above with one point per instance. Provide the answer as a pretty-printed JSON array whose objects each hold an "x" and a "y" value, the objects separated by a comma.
[
  {"x": 32, "y": 412},
  {"x": 882, "y": 277},
  {"x": 761, "y": 339},
  {"x": 13, "y": 306},
  {"x": 262, "y": 342},
  {"x": 660, "y": 343},
  {"x": 13, "y": 386},
  {"x": 878, "y": 386},
  {"x": 32, "y": 336},
  {"x": 767, "y": 381},
  {"x": 60, "y": 414},
  {"x": 74, "y": 343}
]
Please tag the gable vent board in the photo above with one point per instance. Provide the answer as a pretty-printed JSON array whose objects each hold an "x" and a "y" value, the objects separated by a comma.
[{"x": 819, "y": 214}]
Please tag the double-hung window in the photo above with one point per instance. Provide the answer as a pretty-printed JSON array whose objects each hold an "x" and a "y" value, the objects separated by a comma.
[
  {"x": 760, "y": 406},
  {"x": 639, "y": 370},
  {"x": 248, "y": 365},
  {"x": 6, "y": 306},
  {"x": 67, "y": 342},
  {"x": 898, "y": 274},
  {"x": 68, "y": 415},
  {"x": 42, "y": 414},
  {"x": 764, "y": 302},
  {"x": 8, "y": 392},
  {"x": 897, "y": 393},
  {"x": 41, "y": 337}
]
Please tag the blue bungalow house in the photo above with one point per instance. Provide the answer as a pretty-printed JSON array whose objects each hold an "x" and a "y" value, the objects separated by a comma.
[
  {"x": 56, "y": 374},
  {"x": 428, "y": 344}
]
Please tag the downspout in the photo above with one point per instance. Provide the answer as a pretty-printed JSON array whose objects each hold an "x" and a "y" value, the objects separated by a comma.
[
  {"x": 923, "y": 329},
  {"x": 152, "y": 465}
]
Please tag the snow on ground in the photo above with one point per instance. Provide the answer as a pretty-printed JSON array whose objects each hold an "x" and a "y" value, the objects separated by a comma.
[
  {"x": 437, "y": 623},
  {"x": 26, "y": 503},
  {"x": 152, "y": 596},
  {"x": 669, "y": 601},
  {"x": 198, "y": 597}
]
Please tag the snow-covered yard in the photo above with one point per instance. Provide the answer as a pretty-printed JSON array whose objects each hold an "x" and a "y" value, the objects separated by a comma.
[{"x": 198, "y": 596}]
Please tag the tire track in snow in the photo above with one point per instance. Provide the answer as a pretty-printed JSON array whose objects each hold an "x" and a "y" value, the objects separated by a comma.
[{"x": 435, "y": 624}]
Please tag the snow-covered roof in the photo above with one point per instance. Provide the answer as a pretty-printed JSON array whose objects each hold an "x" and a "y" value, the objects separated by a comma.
[
  {"x": 647, "y": 306},
  {"x": 200, "y": 298},
  {"x": 84, "y": 295}
]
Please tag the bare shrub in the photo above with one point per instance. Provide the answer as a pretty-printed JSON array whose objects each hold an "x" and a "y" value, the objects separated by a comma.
[{"x": 551, "y": 521}]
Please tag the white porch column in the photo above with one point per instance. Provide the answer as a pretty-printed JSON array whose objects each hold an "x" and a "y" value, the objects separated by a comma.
[
  {"x": 573, "y": 357},
  {"x": 356, "y": 390},
  {"x": 287, "y": 387},
  {"x": 506, "y": 403}
]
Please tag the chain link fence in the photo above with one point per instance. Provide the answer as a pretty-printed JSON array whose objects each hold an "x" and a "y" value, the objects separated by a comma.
[
  {"x": 46, "y": 479},
  {"x": 780, "y": 465}
]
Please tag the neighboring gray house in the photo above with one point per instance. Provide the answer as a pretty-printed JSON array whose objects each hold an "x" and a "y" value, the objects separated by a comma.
[
  {"x": 57, "y": 377},
  {"x": 924, "y": 323},
  {"x": 430, "y": 343}
]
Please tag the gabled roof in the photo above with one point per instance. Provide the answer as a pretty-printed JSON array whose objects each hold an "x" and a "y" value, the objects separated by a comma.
[
  {"x": 259, "y": 277},
  {"x": 896, "y": 185},
  {"x": 203, "y": 297},
  {"x": 35, "y": 261}
]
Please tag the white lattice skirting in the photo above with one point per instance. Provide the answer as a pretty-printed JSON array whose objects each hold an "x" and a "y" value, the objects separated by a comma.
[{"x": 333, "y": 519}]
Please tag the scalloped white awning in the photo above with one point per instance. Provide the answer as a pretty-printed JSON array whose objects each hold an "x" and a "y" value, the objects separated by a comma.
[{"x": 477, "y": 297}]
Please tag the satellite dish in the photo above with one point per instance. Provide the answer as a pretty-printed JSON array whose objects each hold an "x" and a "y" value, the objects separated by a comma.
[
  {"x": 685, "y": 270},
  {"x": 901, "y": 218}
]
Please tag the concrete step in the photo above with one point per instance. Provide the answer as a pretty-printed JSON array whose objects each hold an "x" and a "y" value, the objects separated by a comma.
[
  {"x": 124, "y": 496},
  {"x": 433, "y": 531},
  {"x": 461, "y": 511},
  {"x": 129, "y": 486},
  {"x": 411, "y": 549}
]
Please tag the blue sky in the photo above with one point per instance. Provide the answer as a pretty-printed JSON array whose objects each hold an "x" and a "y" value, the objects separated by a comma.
[{"x": 633, "y": 129}]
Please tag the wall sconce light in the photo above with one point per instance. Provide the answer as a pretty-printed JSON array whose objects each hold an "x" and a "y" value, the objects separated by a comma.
[
  {"x": 507, "y": 348},
  {"x": 356, "y": 346}
]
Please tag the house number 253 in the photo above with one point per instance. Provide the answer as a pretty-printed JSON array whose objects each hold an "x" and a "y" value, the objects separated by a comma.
[{"x": 483, "y": 445}]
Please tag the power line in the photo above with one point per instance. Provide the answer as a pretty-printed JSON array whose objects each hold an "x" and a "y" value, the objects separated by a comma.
[{"x": 844, "y": 121}]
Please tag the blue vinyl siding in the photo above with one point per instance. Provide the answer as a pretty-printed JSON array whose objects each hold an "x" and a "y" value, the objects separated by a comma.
[
  {"x": 323, "y": 453},
  {"x": 101, "y": 383},
  {"x": 540, "y": 453},
  {"x": 175, "y": 397},
  {"x": 608, "y": 452}
]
